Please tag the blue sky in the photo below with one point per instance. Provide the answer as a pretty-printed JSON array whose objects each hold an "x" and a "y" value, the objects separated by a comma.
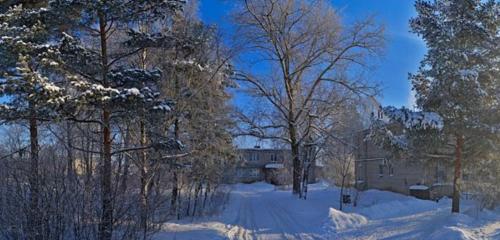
[{"x": 403, "y": 52}]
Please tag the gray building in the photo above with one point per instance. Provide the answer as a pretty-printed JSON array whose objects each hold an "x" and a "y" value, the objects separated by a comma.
[
  {"x": 270, "y": 165},
  {"x": 378, "y": 169}
]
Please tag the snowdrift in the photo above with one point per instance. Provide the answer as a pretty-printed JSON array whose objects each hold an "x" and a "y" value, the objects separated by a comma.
[
  {"x": 338, "y": 220},
  {"x": 377, "y": 204},
  {"x": 452, "y": 233}
]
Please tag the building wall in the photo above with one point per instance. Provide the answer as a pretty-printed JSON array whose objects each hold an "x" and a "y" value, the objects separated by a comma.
[
  {"x": 260, "y": 157},
  {"x": 390, "y": 175},
  {"x": 249, "y": 174},
  {"x": 377, "y": 169},
  {"x": 252, "y": 162}
]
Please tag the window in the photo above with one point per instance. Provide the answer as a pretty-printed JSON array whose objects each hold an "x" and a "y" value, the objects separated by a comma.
[
  {"x": 254, "y": 157},
  {"x": 254, "y": 173},
  {"x": 440, "y": 173},
  {"x": 391, "y": 170},
  {"x": 273, "y": 157},
  {"x": 381, "y": 170}
]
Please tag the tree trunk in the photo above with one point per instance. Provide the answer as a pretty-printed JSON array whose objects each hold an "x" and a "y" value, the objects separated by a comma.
[
  {"x": 455, "y": 204},
  {"x": 145, "y": 179},
  {"x": 305, "y": 179},
  {"x": 175, "y": 192},
  {"x": 175, "y": 177},
  {"x": 207, "y": 190},
  {"x": 196, "y": 197},
  {"x": 297, "y": 168},
  {"x": 34, "y": 217},
  {"x": 126, "y": 164},
  {"x": 69, "y": 140},
  {"x": 179, "y": 204},
  {"x": 189, "y": 193},
  {"x": 341, "y": 202},
  {"x": 106, "y": 224}
]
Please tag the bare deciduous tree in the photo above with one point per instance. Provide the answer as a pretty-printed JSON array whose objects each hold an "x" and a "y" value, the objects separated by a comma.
[{"x": 304, "y": 55}]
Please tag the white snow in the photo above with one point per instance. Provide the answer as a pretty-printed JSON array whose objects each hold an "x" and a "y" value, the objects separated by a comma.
[
  {"x": 338, "y": 220},
  {"x": 274, "y": 165},
  {"x": 415, "y": 119},
  {"x": 133, "y": 91},
  {"x": 261, "y": 211},
  {"x": 418, "y": 187},
  {"x": 162, "y": 107},
  {"x": 51, "y": 87}
]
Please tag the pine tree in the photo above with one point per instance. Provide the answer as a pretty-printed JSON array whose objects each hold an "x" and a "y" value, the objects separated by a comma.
[
  {"x": 457, "y": 80},
  {"x": 29, "y": 94},
  {"x": 101, "y": 80}
]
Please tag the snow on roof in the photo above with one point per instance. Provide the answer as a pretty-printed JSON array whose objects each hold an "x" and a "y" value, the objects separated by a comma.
[
  {"x": 274, "y": 165},
  {"x": 419, "y": 187},
  {"x": 441, "y": 184}
]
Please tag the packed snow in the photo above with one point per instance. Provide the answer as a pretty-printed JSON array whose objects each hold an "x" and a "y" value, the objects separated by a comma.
[{"x": 261, "y": 211}]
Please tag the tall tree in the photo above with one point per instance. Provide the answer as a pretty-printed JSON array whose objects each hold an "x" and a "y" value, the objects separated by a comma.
[
  {"x": 197, "y": 74},
  {"x": 457, "y": 76},
  {"x": 29, "y": 95},
  {"x": 101, "y": 79},
  {"x": 306, "y": 53}
]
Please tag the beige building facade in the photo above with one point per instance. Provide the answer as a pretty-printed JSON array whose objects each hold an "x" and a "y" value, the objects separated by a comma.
[{"x": 377, "y": 169}]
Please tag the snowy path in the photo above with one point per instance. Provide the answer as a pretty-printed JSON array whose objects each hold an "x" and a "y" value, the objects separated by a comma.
[
  {"x": 262, "y": 216},
  {"x": 258, "y": 211}
]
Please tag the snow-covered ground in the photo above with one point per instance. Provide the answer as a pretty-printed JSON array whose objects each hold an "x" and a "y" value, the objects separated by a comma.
[{"x": 259, "y": 211}]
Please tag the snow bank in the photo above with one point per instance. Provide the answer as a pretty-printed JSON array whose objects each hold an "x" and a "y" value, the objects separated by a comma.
[
  {"x": 253, "y": 188},
  {"x": 376, "y": 204},
  {"x": 338, "y": 220},
  {"x": 321, "y": 185},
  {"x": 396, "y": 209},
  {"x": 455, "y": 227},
  {"x": 452, "y": 233}
]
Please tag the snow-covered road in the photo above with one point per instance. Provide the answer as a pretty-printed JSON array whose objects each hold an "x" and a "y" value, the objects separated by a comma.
[
  {"x": 261, "y": 215},
  {"x": 259, "y": 211}
]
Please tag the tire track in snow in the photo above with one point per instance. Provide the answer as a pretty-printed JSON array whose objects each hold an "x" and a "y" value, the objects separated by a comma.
[
  {"x": 299, "y": 231},
  {"x": 278, "y": 223},
  {"x": 243, "y": 220}
]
